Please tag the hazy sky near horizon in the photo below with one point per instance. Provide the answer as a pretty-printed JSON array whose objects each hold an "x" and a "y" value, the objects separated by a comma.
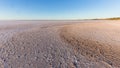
[{"x": 59, "y": 9}]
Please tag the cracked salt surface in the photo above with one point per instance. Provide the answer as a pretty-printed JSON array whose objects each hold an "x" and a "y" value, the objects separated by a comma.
[
  {"x": 5, "y": 35},
  {"x": 35, "y": 46}
]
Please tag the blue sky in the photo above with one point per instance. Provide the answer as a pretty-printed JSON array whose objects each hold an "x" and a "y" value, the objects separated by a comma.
[{"x": 59, "y": 9}]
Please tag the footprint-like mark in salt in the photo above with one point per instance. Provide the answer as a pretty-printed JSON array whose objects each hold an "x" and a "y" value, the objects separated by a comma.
[{"x": 1, "y": 64}]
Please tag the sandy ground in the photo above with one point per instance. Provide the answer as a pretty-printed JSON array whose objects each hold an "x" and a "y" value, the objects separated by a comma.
[{"x": 60, "y": 44}]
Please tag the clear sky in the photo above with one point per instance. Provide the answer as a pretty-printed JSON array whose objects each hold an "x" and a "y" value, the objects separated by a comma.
[{"x": 59, "y": 9}]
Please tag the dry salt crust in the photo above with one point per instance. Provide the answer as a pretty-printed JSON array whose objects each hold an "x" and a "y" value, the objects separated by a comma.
[{"x": 60, "y": 44}]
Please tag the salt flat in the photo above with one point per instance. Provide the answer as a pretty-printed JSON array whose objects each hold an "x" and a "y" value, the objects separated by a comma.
[{"x": 60, "y": 44}]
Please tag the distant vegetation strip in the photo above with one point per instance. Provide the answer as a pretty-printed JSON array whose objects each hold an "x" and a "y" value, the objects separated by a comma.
[{"x": 115, "y": 18}]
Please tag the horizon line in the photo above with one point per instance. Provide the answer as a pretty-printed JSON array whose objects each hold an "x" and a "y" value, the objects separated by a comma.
[{"x": 57, "y": 19}]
